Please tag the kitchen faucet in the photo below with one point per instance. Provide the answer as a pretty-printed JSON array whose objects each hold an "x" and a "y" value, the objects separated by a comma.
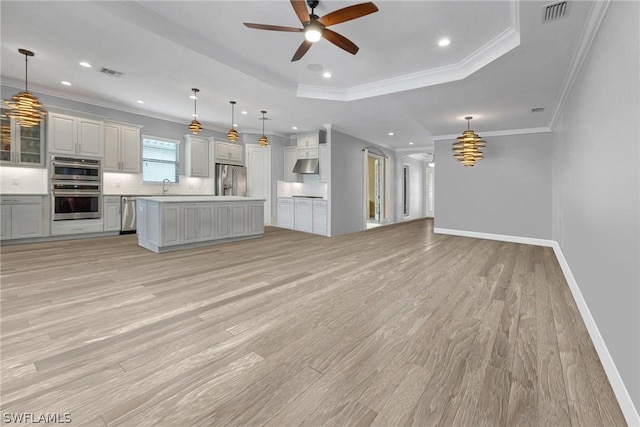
[{"x": 165, "y": 188}]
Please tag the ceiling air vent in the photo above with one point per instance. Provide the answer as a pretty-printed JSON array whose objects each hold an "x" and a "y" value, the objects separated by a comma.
[
  {"x": 554, "y": 11},
  {"x": 109, "y": 72},
  {"x": 537, "y": 110}
]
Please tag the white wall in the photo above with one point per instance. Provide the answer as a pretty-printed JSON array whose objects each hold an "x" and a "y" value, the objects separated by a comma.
[
  {"x": 507, "y": 193},
  {"x": 596, "y": 186}
]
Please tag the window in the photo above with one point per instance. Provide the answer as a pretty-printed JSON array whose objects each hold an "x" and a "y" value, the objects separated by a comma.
[
  {"x": 405, "y": 190},
  {"x": 159, "y": 159}
]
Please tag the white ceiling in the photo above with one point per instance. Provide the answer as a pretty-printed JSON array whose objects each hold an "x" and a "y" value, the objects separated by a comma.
[{"x": 502, "y": 62}]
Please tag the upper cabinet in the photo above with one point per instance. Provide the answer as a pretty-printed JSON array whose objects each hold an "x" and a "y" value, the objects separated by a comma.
[
  {"x": 75, "y": 136},
  {"x": 121, "y": 148},
  {"x": 324, "y": 164},
  {"x": 229, "y": 153},
  {"x": 308, "y": 144},
  {"x": 196, "y": 152},
  {"x": 21, "y": 146}
]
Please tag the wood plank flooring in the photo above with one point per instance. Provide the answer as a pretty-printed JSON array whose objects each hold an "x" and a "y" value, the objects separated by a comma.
[{"x": 394, "y": 326}]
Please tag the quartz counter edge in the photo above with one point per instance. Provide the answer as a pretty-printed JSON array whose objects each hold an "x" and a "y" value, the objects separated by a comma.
[{"x": 196, "y": 199}]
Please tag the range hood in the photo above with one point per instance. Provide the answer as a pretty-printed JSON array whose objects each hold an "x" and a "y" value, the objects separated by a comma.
[{"x": 307, "y": 166}]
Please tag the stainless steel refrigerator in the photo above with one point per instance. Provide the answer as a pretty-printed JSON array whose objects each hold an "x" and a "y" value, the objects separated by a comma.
[{"x": 231, "y": 180}]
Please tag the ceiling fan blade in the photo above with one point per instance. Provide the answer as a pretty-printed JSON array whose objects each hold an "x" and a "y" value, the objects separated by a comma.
[
  {"x": 348, "y": 13},
  {"x": 304, "y": 47},
  {"x": 300, "y": 7},
  {"x": 341, "y": 41},
  {"x": 273, "y": 27}
]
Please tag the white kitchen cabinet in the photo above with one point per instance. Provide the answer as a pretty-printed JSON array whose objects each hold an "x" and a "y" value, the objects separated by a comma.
[
  {"x": 121, "y": 148},
  {"x": 320, "y": 217},
  {"x": 308, "y": 153},
  {"x": 324, "y": 165},
  {"x": 290, "y": 157},
  {"x": 22, "y": 217},
  {"x": 75, "y": 136},
  {"x": 229, "y": 153},
  {"x": 21, "y": 146},
  {"x": 307, "y": 141},
  {"x": 303, "y": 215},
  {"x": 285, "y": 212},
  {"x": 111, "y": 213},
  {"x": 196, "y": 152}
]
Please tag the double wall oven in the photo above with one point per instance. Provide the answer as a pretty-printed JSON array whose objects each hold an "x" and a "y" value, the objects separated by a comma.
[{"x": 75, "y": 188}]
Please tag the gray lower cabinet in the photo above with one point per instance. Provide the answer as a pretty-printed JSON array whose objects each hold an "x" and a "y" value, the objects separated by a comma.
[
  {"x": 303, "y": 217},
  {"x": 22, "y": 217},
  {"x": 285, "y": 212},
  {"x": 198, "y": 222},
  {"x": 320, "y": 217},
  {"x": 303, "y": 214}
]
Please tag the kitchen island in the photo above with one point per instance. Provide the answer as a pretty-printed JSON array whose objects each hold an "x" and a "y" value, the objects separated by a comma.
[{"x": 169, "y": 223}]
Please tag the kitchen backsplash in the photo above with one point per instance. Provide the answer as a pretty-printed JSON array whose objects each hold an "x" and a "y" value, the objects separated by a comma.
[
  {"x": 131, "y": 184},
  {"x": 290, "y": 189},
  {"x": 16, "y": 180}
]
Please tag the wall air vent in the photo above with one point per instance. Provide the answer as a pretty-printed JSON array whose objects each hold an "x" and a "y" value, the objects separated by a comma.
[
  {"x": 554, "y": 11},
  {"x": 109, "y": 72}
]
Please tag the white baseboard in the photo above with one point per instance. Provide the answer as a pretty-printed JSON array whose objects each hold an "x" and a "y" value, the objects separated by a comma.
[
  {"x": 622, "y": 395},
  {"x": 499, "y": 237},
  {"x": 624, "y": 400}
]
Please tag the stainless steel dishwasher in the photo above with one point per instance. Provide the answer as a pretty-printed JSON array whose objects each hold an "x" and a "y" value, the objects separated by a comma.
[{"x": 128, "y": 223}]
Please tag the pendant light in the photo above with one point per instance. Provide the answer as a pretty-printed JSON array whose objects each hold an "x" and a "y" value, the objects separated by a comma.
[
  {"x": 263, "y": 141},
  {"x": 233, "y": 133},
  {"x": 195, "y": 127},
  {"x": 24, "y": 107},
  {"x": 467, "y": 149}
]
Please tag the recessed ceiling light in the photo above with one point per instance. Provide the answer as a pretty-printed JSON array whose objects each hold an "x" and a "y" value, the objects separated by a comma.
[
  {"x": 66, "y": 83},
  {"x": 193, "y": 97},
  {"x": 85, "y": 64},
  {"x": 243, "y": 112},
  {"x": 235, "y": 124},
  {"x": 294, "y": 127},
  {"x": 411, "y": 143},
  {"x": 444, "y": 42},
  {"x": 391, "y": 133},
  {"x": 326, "y": 75}
]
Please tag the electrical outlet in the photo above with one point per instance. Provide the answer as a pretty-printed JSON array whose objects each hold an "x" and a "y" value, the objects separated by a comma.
[{"x": 15, "y": 181}]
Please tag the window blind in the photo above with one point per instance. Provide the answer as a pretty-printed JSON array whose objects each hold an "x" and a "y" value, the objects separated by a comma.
[{"x": 159, "y": 159}]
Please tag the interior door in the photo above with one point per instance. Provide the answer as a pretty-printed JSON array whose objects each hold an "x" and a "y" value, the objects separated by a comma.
[{"x": 259, "y": 176}]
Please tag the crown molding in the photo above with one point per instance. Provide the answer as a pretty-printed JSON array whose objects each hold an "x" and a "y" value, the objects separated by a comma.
[
  {"x": 596, "y": 14},
  {"x": 506, "y": 132},
  {"x": 503, "y": 43}
]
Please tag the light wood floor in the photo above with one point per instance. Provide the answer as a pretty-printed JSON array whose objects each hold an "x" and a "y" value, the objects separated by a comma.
[{"x": 392, "y": 326}]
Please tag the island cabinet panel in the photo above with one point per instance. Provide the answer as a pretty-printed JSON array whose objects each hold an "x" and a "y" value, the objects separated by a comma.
[
  {"x": 256, "y": 218},
  {"x": 223, "y": 223},
  {"x": 238, "y": 220},
  {"x": 206, "y": 223},
  {"x": 170, "y": 225},
  {"x": 190, "y": 222}
]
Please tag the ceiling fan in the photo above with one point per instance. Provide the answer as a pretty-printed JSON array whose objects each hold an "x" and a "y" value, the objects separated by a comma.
[{"x": 315, "y": 27}]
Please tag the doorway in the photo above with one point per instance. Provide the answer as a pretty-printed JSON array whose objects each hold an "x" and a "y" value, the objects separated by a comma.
[
  {"x": 429, "y": 186},
  {"x": 406, "y": 179},
  {"x": 375, "y": 190}
]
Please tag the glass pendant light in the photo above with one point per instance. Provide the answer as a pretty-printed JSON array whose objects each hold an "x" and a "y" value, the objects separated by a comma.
[
  {"x": 263, "y": 141},
  {"x": 195, "y": 127},
  {"x": 232, "y": 135},
  {"x": 24, "y": 107}
]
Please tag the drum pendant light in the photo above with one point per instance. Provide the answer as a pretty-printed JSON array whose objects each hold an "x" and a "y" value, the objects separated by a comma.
[
  {"x": 263, "y": 141},
  {"x": 233, "y": 133},
  {"x": 195, "y": 127},
  {"x": 24, "y": 107},
  {"x": 467, "y": 149}
]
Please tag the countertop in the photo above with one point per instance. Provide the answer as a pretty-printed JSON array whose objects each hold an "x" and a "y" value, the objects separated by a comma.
[{"x": 195, "y": 199}]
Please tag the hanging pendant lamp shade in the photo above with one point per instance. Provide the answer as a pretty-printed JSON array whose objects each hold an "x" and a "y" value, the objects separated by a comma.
[
  {"x": 195, "y": 127},
  {"x": 263, "y": 141},
  {"x": 24, "y": 107},
  {"x": 468, "y": 148},
  {"x": 232, "y": 135}
]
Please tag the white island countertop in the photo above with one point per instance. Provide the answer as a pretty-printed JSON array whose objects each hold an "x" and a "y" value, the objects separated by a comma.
[{"x": 195, "y": 199}]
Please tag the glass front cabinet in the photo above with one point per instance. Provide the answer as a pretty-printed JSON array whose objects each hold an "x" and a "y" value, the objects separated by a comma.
[{"x": 21, "y": 146}]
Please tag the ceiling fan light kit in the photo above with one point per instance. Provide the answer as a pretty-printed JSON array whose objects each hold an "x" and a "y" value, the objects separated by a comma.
[
  {"x": 468, "y": 148},
  {"x": 195, "y": 127},
  {"x": 315, "y": 27},
  {"x": 24, "y": 107}
]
